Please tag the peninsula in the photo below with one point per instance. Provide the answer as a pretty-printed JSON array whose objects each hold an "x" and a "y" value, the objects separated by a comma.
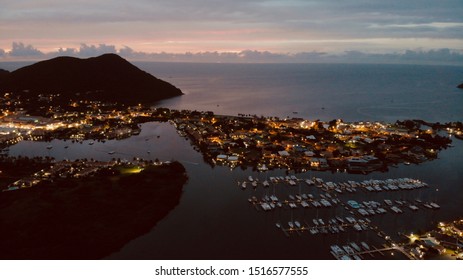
[{"x": 107, "y": 78}]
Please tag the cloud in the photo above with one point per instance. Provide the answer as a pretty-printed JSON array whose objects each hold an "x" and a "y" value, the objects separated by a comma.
[
  {"x": 434, "y": 25},
  {"x": 443, "y": 56},
  {"x": 21, "y": 50},
  {"x": 65, "y": 52},
  {"x": 92, "y": 50},
  {"x": 207, "y": 25}
]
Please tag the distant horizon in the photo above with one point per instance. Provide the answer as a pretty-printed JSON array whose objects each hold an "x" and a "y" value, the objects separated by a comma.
[{"x": 21, "y": 52}]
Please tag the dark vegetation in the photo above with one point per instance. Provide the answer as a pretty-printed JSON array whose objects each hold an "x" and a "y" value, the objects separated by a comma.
[{"x": 86, "y": 218}]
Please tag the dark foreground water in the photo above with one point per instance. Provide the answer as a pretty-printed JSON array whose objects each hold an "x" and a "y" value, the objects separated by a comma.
[{"x": 214, "y": 218}]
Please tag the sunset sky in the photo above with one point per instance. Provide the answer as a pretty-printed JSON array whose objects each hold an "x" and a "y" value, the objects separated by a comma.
[{"x": 289, "y": 26}]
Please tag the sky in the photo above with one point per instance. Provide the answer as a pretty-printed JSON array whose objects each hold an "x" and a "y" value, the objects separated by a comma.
[{"x": 288, "y": 27}]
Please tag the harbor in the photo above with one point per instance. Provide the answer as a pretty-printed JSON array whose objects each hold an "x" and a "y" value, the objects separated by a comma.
[
  {"x": 217, "y": 193},
  {"x": 348, "y": 209}
]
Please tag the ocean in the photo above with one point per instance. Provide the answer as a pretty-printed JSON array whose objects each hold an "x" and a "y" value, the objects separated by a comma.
[
  {"x": 214, "y": 219},
  {"x": 352, "y": 92}
]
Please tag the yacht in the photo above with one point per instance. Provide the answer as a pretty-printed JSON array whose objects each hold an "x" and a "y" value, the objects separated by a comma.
[
  {"x": 337, "y": 250},
  {"x": 355, "y": 246},
  {"x": 434, "y": 205},
  {"x": 365, "y": 245}
]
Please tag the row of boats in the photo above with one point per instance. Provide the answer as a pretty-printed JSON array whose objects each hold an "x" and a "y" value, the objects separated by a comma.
[
  {"x": 349, "y": 251},
  {"x": 269, "y": 202},
  {"x": 369, "y": 185},
  {"x": 334, "y": 225},
  {"x": 341, "y": 187},
  {"x": 367, "y": 208}
]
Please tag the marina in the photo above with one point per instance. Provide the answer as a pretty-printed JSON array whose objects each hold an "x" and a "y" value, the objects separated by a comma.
[
  {"x": 282, "y": 202},
  {"x": 342, "y": 215}
]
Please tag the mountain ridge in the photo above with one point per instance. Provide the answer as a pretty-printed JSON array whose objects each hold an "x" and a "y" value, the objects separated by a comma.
[{"x": 108, "y": 77}]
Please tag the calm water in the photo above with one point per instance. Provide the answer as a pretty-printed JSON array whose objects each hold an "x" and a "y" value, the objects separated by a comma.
[
  {"x": 214, "y": 219},
  {"x": 317, "y": 91}
]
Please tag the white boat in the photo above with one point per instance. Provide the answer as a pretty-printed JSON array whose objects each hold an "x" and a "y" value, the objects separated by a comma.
[
  {"x": 304, "y": 204},
  {"x": 243, "y": 185},
  {"x": 266, "y": 207},
  {"x": 315, "y": 222},
  {"x": 413, "y": 207},
  {"x": 250, "y": 179},
  {"x": 91, "y": 143},
  {"x": 434, "y": 205},
  {"x": 357, "y": 227},
  {"x": 309, "y": 182},
  {"x": 49, "y": 147},
  {"x": 337, "y": 250},
  {"x": 278, "y": 225},
  {"x": 111, "y": 152},
  {"x": 290, "y": 224},
  {"x": 365, "y": 245},
  {"x": 348, "y": 249},
  {"x": 297, "y": 224},
  {"x": 292, "y": 205},
  {"x": 427, "y": 205},
  {"x": 355, "y": 246}
]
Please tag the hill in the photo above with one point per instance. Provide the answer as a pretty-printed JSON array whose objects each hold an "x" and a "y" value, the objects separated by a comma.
[
  {"x": 3, "y": 74},
  {"x": 107, "y": 78}
]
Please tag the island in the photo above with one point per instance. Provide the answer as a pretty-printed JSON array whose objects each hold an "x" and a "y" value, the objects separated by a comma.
[{"x": 84, "y": 209}]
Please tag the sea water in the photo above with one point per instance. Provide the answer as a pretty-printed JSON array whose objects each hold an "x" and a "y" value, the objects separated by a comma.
[{"x": 214, "y": 219}]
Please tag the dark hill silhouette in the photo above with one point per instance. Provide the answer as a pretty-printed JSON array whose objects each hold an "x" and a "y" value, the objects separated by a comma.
[
  {"x": 3, "y": 74},
  {"x": 107, "y": 77}
]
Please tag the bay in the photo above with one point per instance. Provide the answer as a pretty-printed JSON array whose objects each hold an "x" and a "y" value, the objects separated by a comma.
[{"x": 214, "y": 219}]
